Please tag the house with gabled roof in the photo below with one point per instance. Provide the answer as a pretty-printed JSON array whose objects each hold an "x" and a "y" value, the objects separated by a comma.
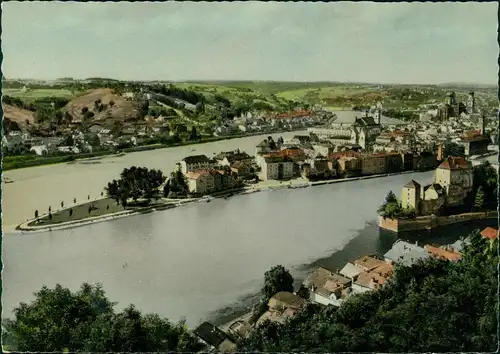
[
  {"x": 455, "y": 175},
  {"x": 282, "y": 306},
  {"x": 405, "y": 253},
  {"x": 196, "y": 162},
  {"x": 215, "y": 337},
  {"x": 327, "y": 288},
  {"x": 200, "y": 181}
]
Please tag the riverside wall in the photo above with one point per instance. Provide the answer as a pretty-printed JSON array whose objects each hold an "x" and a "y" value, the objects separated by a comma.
[{"x": 431, "y": 222}]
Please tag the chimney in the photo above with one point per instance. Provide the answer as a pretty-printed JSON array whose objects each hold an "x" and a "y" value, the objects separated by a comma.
[{"x": 378, "y": 116}]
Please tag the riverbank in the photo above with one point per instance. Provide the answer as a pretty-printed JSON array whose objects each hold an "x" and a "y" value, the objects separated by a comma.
[
  {"x": 164, "y": 204},
  {"x": 113, "y": 213},
  {"x": 25, "y": 161},
  {"x": 431, "y": 222}
]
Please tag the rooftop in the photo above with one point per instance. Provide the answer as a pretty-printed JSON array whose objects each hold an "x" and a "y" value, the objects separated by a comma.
[
  {"x": 368, "y": 262},
  {"x": 490, "y": 233},
  {"x": 197, "y": 174},
  {"x": 326, "y": 281},
  {"x": 455, "y": 163},
  {"x": 350, "y": 270},
  {"x": 288, "y": 299},
  {"x": 412, "y": 184},
  {"x": 442, "y": 253},
  {"x": 195, "y": 159},
  {"x": 210, "y": 334},
  {"x": 405, "y": 253}
]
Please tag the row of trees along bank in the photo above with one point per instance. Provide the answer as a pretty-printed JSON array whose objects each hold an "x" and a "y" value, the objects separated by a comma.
[{"x": 432, "y": 306}]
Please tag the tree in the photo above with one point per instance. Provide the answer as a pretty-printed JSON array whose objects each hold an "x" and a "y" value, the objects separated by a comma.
[
  {"x": 36, "y": 214},
  {"x": 479, "y": 200},
  {"x": 200, "y": 107},
  {"x": 62, "y": 204},
  {"x": 194, "y": 135},
  {"x": 486, "y": 177},
  {"x": 71, "y": 212},
  {"x": 135, "y": 183},
  {"x": 390, "y": 207},
  {"x": 111, "y": 103},
  {"x": 275, "y": 280},
  {"x": 85, "y": 320},
  {"x": 176, "y": 186}
]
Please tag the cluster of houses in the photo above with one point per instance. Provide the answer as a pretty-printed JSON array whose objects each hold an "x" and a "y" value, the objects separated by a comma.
[
  {"x": 259, "y": 123},
  {"x": 453, "y": 181},
  {"x": 328, "y": 288},
  {"x": 43, "y": 146},
  {"x": 224, "y": 171},
  {"x": 303, "y": 156}
]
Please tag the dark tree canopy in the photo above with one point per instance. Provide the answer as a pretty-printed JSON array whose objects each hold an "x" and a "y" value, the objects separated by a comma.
[
  {"x": 135, "y": 183},
  {"x": 176, "y": 186},
  {"x": 486, "y": 181},
  {"x": 59, "y": 320},
  {"x": 275, "y": 280}
]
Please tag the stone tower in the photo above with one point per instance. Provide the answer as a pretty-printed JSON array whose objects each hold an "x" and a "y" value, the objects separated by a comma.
[
  {"x": 482, "y": 124},
  {"x": 410, "y": 195},
  {"x": 471, "y": 103},
  {"x": 378, "y": 116}
]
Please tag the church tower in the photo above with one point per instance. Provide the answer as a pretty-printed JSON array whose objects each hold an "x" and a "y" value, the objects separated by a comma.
[{"x": 471, "y": 103}]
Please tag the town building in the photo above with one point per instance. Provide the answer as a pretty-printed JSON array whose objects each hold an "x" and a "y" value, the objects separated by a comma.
[
  {"x": 453, "y": 181},
  {"x": 373, "y": 164},
  {"x": 196, "y": 162},
  {"x": 281, "y": 307},
  {"x": 228, "y": 158},
  {"x": 455, "y": 175},
  {"x": 374, "y": 274},
  {"x": 444, "y": 253},
  {"x": 433, "y": 199},
  {"x": 405, "y": 253},
  {"x": 327, "y": 288},
  {"x": 410, "y": 195},
  {"x": 276, "y": 167},
  {"x": 477, "y": 145},
  {"x": 215, "y": 338},
  {"x": 200, "y": 182},
  {"x": 363, "y": 131}
]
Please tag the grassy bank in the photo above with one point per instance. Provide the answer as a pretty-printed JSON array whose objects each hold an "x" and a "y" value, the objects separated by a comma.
[{"x": 24, "y": 161}]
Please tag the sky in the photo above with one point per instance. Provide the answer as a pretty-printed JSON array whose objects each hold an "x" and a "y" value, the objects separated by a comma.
[{"x": 413, "y": 43}]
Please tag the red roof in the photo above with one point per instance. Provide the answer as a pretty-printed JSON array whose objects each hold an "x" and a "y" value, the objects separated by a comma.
[
  {"x": 455, "y": 163},
  {"x": 490, "y": 233},
  {"x": 337, "y": 155},
  {"x": 294, "y": 115}
]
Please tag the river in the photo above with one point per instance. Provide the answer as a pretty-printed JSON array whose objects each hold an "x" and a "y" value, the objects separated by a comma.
[{"x": 193, "y": 261}]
